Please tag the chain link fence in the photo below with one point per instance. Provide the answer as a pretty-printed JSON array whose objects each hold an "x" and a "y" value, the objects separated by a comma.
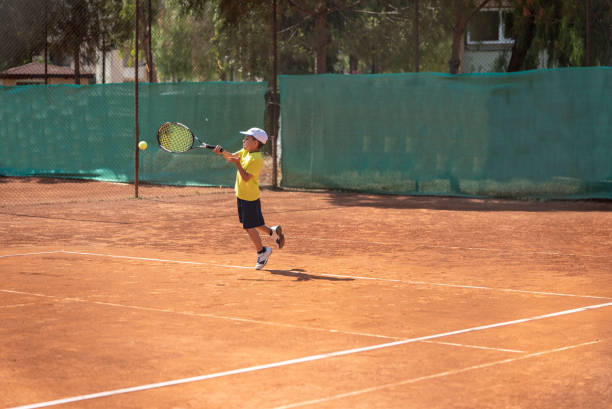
[{"x": 68, "y": 71}]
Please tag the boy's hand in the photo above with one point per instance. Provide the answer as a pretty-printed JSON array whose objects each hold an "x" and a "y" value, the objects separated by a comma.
[
  {"x": 233, "y": 159},
  {"x": 230, "y": 157}
]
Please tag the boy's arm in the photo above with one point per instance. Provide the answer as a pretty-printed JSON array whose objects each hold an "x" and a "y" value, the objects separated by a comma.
[
  {"x": 219, "y": 151},
  {"x": 245, "y": 175},
  {"x": 235, "y": 158}
]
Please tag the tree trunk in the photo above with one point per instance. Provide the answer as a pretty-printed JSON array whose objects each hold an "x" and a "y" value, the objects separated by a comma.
[
  {"x": 77, "y": 64},
  {"x": 610, "y": 42},
  {"x": 587, "y": 7},
  {"x": 353, "y": 64},
  {"x": 454, "y": 64},
  {"x": 151, "y": 74},
  {"x": 103, "y": 60},
  {"x": 321, "y": 39},
  {"x": 417, "y": 55},
  {"x": 463, "y": 13},
  {"x": 521, "y": 46}
]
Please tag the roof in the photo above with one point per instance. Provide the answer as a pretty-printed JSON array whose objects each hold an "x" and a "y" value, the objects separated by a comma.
[{"x": 37, "y": 69}]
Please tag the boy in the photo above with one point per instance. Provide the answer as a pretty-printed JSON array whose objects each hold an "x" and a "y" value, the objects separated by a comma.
[{"x": 249, "y": 162}]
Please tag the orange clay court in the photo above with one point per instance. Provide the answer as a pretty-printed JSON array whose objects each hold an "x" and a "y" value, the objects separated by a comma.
[{"x": 375, "y": 302}]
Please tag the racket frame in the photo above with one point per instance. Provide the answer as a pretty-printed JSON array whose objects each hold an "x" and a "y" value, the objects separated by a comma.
[{"x": 194, "y": 138}]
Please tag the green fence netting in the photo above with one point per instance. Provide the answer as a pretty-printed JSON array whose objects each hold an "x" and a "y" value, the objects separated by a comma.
[
  {"x": 544, "y": 134},
  {"x": 87, "y": 132}
]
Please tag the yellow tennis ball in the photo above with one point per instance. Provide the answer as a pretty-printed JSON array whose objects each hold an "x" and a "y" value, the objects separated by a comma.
[{"x": 142, "y": 145}]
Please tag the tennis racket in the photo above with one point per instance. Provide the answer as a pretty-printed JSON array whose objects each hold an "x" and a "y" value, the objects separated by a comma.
[{"x": 175, "y": 137}]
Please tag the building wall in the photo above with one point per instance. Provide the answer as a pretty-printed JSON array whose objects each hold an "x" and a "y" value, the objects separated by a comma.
[{"x": 116, "y": 70}]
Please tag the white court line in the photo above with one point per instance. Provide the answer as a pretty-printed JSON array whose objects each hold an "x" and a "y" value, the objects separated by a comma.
[
  {"x": 433, "y": 376},
  {"x": 159, "y": 260},
  {"x": 276, "y": 323},
  {"x": 249, "y": 321},
  {"x": 344, "y": 276},
  {"x": 197, "y": 263},
  {"x": 514, "y": 351},
  {"x": 473, "y": 287},
  {"x": 195, "y": 314},
  {"x": 17, "y": 305},
  {"x": 222, "y": 317},
  {"x": 304, "y": 359},
  {"x": 31, "y": 254}
]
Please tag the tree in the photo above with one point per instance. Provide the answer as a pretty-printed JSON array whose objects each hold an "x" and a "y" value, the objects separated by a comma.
[
  {"x": 115, "y": 27},
  {"x": 148, "y": 12},
  {"x": 22, "y": 32},
  {"x": 72, "y": 30},
  {"x": 380, "y": 36},
  {"x": 561, "y": 29},
  {"x": 228, "y": 39},
  {"x": 78, "y": 28},
  {"x": 369, "y": 36},
  {"x": 319, "y": 12},
  {"x": 524, "y": 30},
  {"x": 376, "y": 37},
  {"x": 462, "y": 12},
  {"x": 173, "y": 48}
]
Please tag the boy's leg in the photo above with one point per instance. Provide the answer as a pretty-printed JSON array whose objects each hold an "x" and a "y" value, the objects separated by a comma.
[
  {"x": 263, "y": 253},
  {"x": 249, "y": 213},
  {"x": 276, "y": 232},
  {"x": 264, "y": 229},
  {"x": 254, "y": 236}
]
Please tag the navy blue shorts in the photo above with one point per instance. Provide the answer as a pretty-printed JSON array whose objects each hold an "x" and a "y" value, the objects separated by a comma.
[{"x": 249, "y": 213}]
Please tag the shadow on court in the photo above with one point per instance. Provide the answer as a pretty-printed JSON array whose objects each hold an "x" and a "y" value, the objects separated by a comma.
[
  {"x": 302, "y": 275},
  {"x": 466, "y": 204}
]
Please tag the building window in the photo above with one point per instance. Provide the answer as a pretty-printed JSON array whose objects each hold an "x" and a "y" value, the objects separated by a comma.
[{"x": 491, "y": 27}]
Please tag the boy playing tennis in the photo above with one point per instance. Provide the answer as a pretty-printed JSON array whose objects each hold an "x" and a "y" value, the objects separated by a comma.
[{"x": 249, "y": 162}]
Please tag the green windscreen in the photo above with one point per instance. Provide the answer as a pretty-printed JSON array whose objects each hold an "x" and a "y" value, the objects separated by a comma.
[
  {"x": 88, "y": 131},
  {"x": 541, "y": 134}
]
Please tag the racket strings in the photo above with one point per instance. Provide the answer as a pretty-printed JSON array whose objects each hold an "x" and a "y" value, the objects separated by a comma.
[{"x": 175, "y": 138}]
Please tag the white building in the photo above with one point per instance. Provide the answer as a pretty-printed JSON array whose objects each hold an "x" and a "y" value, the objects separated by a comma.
[{"x": 114, "y": 68}]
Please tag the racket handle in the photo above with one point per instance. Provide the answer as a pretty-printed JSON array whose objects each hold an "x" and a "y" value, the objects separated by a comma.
[
  {"x": 211, "y": 147},
  {"x": 225, "y": 153}
]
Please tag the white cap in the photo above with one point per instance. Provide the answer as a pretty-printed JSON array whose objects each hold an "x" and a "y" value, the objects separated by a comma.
[{"x": 257, "y": 133}]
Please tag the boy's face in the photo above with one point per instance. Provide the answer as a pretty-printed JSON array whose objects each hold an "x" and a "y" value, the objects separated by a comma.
[{"x": 250, "y": 144}]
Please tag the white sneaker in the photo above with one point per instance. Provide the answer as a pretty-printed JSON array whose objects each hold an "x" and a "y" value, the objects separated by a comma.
[
  {"x": 262, "y": 259},
  {"x": 278, "y": 236}
]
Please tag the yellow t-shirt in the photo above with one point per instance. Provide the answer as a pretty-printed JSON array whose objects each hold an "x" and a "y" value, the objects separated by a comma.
[{"x": 251, "y": 162}]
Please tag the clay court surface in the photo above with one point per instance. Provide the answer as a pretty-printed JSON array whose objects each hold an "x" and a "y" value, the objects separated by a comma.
[{"x": 375, "y": 302}]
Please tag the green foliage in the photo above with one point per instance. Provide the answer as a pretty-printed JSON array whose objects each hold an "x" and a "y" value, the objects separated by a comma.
[
  {"x": 200, "y": 40},
  {"x": 561, "y": 29},
  {"x": 69, "y": 25},
  {"x": 20, "y": 41},
  {"x": 172, "y": 49},
  {"x": 203, "y": 40}
]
